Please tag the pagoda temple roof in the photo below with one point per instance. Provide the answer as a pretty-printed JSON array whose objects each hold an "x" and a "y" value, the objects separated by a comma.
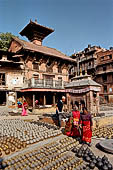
[
  {"x": 42, "y": 49},
  {"x": 82, "y": 82},
  {"x": 39, "y": 30}
]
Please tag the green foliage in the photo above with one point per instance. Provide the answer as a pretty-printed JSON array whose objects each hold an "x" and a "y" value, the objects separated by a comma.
[{"x": 5, "y": 39}]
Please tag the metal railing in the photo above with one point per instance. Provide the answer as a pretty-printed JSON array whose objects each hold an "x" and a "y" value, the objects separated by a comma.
[
  {"x": 44, "y": 83},
  {"x": 2, "y": 82}
]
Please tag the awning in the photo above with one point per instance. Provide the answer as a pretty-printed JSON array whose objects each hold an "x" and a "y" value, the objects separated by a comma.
[{"x": 42, "y": 90}]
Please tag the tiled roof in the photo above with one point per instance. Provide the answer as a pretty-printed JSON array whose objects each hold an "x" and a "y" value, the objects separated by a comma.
[
  {"x": 37, "y": 27},
  {"x": 42, "y": 49},
  {"x": 83, "y": 82}
]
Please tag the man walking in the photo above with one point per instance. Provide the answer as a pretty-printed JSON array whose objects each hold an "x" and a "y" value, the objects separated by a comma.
[{"x": 59, "y": 108}]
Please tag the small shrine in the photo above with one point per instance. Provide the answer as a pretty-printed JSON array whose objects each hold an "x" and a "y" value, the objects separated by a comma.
[{"x": 83, "y": 89}]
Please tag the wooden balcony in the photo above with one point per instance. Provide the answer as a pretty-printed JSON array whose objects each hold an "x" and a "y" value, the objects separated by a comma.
[
  {"x": 44, "y": 83},
  {"x": 110, "y": 70}
]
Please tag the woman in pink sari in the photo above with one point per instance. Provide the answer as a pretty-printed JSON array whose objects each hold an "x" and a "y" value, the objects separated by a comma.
[{"x": 24, "y": 109}]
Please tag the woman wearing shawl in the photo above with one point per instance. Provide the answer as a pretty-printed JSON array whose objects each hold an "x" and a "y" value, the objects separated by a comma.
[{"x": 87, "y": 125}]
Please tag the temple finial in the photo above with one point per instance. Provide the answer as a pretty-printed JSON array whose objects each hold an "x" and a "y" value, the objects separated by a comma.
[
  {"x": 36, "y": 20},
  {"x": 80, "y": 72},
  {"x": 85, "y": 71}
]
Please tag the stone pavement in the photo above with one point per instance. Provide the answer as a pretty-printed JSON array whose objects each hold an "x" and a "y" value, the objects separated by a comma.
[
  {"x": 29, "y": 117},
  {"x": 99, "y": 152},
  {"x": 5, "y": 114}
]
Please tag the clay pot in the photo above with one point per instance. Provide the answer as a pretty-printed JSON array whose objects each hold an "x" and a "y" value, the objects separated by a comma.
[
  {"x": 94, "y": 161},
  {"x": 90, "y": 154},
  {"x": 87, "y": 159},
  {"x": 92, "y": 165},
  {"x": 7, "y": 152},
  {"x": 19, "y": 146},
  {"x": 99, "y": 164},
  {"x": 12, "y": 149},
  {"x": 110, "y": 166},
  {"x": 93, "y": 157},
  {"x": 99, "y": 159},
  {"x": 104, "y": 158},
  {"x": 79, "y": 154},
  {"x": 84, "y": 156},
  {"x": 104, "y": 167}
]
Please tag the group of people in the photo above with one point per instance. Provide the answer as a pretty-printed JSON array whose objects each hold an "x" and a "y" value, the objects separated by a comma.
[
  {"x": 24, "y": 106},
  {"x": 79, "y": 124}
]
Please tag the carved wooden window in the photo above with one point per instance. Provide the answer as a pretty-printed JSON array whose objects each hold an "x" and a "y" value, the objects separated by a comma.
[
  {"x": 49, "y": 67},
  {"x": 102, "y": 58},
  {"x": 2, "y": 79},
  {"x": 36, "y": 77},
  {"x": 59, "y": 69},
  {"x": 110, "y": 56},
  {"x": 106, "y": 98},
  {"x": 104, "y": 68},
  {"x": 60, "y": 81},
  {"x": 104, "y": 77},
  {"x": 105, "y": 89},
  {"x": 36, "y": 66},
  {"x": 89, "y": 63}
]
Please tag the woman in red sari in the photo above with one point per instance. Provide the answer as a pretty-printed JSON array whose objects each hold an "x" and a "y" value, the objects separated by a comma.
[
  {"x": 72, "y": 125},
  {"x": 87, "y": 126},
  {"x": 76, "y": 119}
]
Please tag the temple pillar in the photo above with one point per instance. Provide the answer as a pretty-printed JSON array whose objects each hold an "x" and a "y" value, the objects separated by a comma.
[
  {"x": 7, "y": 103},
  {"x": 44, "y": 99},
  {"x": 91, "y": 102},
  {"x": 54, "y": 98},
  {"x": 33, "y": 81},
  {"x": 33, "y": 100},
  {"x": 44, "y": 82},
  {"x": 68, "y": 101},
  {"x": 88, "y": 102},
  {"x": 54, "y": 83},
  {"x": 97, "y": 103},
  {"x": 62, "y": 84}
]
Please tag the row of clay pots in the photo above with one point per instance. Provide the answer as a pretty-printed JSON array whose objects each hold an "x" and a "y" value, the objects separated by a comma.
[
  {"x": 89, "y": 157},
  {"x": 103, "y": 132},
  {"x": 44, "y": 124},
  {"x": 26, "y": 131},
  {"x": 47, "y": 157},
  {"x": 67, "y": 143},
  {"x": 10, "y": 144}
]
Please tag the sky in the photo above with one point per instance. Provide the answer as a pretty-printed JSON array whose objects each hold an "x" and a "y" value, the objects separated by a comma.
[{"x": 76, "y": 23}]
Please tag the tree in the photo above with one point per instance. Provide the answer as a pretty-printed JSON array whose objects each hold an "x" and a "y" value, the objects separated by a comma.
[{"x": 5, "y": 39}]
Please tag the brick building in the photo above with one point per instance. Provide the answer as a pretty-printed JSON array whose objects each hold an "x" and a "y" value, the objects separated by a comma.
[
  {"x": 104, "y": 75},
  {"x": 45, "y": 70},
  {"x": 97, "y": 62},
  {"x": 86, "y": 60},
  {"x": 11, "y": 78}
]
